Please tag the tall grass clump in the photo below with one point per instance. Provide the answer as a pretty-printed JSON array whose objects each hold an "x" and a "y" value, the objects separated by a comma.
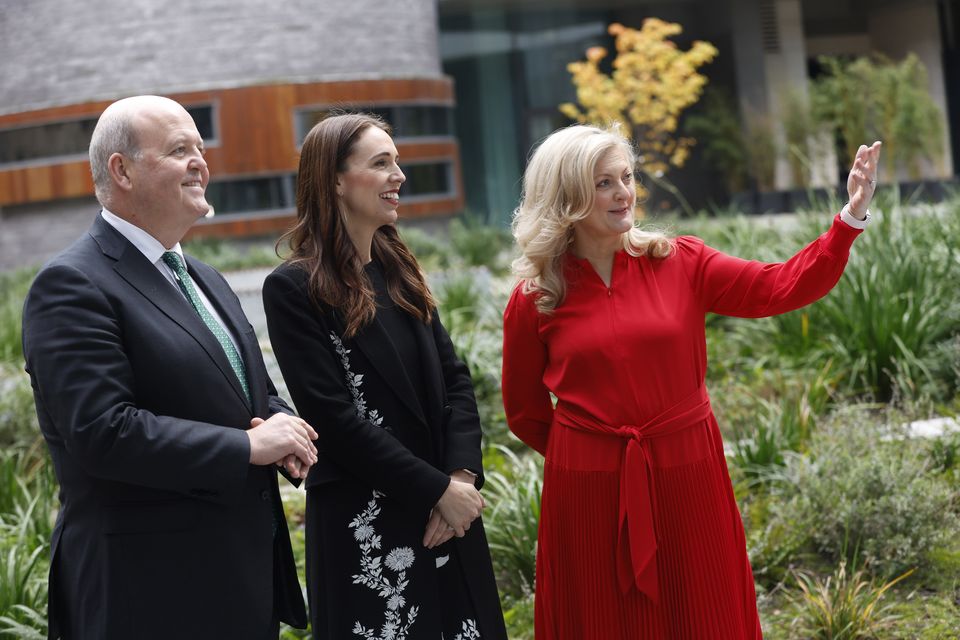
[
  {"x": 769, "y": 429},
  {"x": 511, "y": 526},
  {"x": 470, "y": 309},
  {"x": 27, "y": 511},
  {"x": 886, "y": 322},
  {"x": 847, "y": 605}
]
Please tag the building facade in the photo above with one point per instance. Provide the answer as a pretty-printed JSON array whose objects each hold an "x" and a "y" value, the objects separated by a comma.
[
  {"x": 469, "y": 86},
  {"x": 509, "y": 58},
  {"x": 255, "y": 76}
]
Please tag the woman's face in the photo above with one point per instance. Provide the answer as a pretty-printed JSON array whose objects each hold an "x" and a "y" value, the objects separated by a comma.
[
  {"x": 614, "y": 198},
  {"x": 369, "y": 188}
]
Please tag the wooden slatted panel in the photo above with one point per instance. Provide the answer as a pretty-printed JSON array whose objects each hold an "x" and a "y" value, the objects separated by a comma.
[{"x": 254, "y": 126}]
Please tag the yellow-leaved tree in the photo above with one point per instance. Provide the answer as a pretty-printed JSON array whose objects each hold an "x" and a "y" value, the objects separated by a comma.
[{"x": 652, "y": 82}]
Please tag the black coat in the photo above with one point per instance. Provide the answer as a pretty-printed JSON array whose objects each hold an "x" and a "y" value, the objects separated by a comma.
[
  {"x": 165, "y": 530},
  {"x": 373, "y": 431}
]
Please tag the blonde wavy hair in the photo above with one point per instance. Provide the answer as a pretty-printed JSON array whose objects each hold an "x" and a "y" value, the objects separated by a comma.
[{"x": 558, "y": 192}]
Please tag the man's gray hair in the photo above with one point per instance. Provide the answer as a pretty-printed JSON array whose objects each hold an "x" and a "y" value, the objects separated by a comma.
[{"x": 114, "y": 133}]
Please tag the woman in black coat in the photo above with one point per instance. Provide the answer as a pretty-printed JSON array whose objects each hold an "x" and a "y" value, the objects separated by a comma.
[{"x": 395, "y": 545}]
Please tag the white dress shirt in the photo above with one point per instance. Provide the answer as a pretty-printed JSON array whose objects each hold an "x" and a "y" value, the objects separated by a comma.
[{"x": 151, "y": 248}]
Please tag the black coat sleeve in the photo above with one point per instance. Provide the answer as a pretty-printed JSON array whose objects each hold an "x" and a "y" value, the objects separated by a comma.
[
  {"x": 462, "y": 432},
  {"x": 84, "y": 385},
  {"x": 301, "y": 339}
]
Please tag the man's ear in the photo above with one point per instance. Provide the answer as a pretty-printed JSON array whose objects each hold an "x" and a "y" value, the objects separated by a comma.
[{"x": 117, "y": 167}]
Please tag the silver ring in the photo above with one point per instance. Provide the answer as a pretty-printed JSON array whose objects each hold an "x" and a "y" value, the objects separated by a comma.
[{"x": 873, "y": 183}]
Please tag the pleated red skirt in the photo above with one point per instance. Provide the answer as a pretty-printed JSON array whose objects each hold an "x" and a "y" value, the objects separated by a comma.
[{"x": 705, "y": 584}]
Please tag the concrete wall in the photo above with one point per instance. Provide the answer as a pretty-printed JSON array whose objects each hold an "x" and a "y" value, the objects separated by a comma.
[
  {"x": 32, "y": 234},
  {"x": 56, "y": 52}
]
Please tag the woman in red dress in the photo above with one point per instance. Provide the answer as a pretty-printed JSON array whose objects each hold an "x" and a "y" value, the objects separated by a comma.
[{"x": 640, "y": 536}]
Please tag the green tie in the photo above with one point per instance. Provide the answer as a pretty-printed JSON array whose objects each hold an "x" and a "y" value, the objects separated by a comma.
[{"x": 186, "y": 285}]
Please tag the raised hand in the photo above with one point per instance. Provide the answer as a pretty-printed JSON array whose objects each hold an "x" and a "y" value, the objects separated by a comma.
[
  {"x": 280, "y": 436},
  {"x": 862, "y": 180}
]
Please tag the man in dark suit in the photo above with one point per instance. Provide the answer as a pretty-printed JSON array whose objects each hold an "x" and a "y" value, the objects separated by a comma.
[{"x": 162, "y": 423}]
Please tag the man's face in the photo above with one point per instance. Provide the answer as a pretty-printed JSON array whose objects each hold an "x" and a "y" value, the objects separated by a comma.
[{"x": 169, "y": 177}]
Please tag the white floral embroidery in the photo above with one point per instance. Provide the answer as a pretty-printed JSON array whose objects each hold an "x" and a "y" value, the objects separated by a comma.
[
  {"x": 372, "y": 575},
  {"x": 354, "y": 380},
  {"x": 398, "y": 559},
  {"x": 468, "y": 631}
]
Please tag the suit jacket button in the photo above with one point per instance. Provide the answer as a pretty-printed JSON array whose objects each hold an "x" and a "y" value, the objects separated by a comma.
[{"x": 264, "y": 495}]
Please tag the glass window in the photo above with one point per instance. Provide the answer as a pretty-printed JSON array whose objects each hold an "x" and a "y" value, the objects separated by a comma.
[
  {"x": 72, "y": 138},
  {"x": 264, "y": 194},
  {"x": 427, "y": 180},
  {"x": 407, "y": 121},
  {"x": 247, "y": 195}
]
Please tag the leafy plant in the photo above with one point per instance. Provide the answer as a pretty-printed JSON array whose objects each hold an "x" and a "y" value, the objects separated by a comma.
[
  {"x": 18, "y": 419},
  {"x": 878, "y": 99},
  {"x": 232, "y": 256},
  {"x": 432, "y": 253},
  {"x": 868, "y": 488},
  {"x": 512, "y": 524},
  {"x": 652, "y": 83},
  {"x": 476, "y": 244},
  {"x": 716, "y": 125},
  {"x": 844, "y": 606},
  {"x": 13, "y": 289},
  {"x": 761, "y": 152},
  {"x": 799, "y": 129},
  {"x": 886, "y": 322}
]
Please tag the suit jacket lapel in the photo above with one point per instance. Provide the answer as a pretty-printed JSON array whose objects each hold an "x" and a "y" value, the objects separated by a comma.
[
  {"x": 133, "y": 267},
  {"x": 376, "y": 346}
]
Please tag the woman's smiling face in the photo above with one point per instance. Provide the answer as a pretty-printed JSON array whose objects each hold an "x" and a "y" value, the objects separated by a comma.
[
  {"x": 369, "y": 188},
  {"x": 614, "y": 198}
]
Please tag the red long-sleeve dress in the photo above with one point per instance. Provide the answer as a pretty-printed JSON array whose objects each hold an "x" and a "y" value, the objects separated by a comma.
[{"x": 640, "y": 536}]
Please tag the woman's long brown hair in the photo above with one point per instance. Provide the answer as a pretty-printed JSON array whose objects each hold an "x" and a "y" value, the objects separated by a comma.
[{"x": 319, "y": 242}]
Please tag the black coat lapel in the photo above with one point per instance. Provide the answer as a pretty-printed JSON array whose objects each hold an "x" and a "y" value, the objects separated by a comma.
[
  {"x": 377, "y": 347},
  {"x": 432, "y": 374},
  {"x": 133, "y": 267}
]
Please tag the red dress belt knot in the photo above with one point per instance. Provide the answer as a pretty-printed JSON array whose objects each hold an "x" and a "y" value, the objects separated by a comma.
[{"x": 636, "y": 536}]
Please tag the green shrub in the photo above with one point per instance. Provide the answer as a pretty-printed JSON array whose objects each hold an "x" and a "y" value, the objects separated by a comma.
[
  {"x": 232, "y": 256},
  {"x": 23, "y": 590},
  {"x": 18, "y": 417},
  {"x": 864, "y": 492},
  {"x": 518, "y": 616},
  {"x": 765, "y": 430},
  {"x": 25, "y": 623},
  {"x": 431, "y": 252},
  {"x": 13, "y": 290},
  {"x": 469, "y": 308},
  {"x": 775, "y": 537},
  {"x": 843, "y": 606},
  {"x": 475, "y": 243},
  {"x": 513, "y": 521},
  {"x": 886, "y": 323}
]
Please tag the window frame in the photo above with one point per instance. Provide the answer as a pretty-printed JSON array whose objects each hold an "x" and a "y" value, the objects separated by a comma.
[{"x": 47, "y": 161}]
